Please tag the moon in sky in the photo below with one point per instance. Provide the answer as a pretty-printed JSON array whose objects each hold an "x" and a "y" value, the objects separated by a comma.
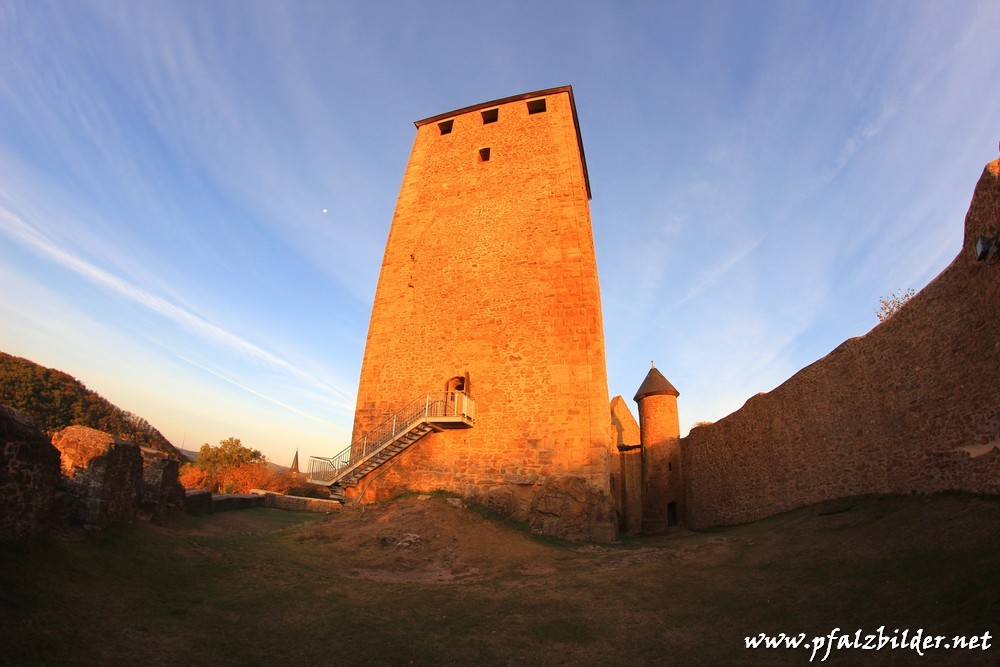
[{"x": 324, "y": 210}]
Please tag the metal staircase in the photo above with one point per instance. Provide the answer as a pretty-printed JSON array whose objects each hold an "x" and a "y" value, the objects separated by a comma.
[{"x": 429, "y": 413}]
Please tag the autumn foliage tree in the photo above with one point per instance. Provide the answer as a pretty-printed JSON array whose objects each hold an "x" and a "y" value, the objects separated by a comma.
[
  {"x": 55, "y": 400},
  {"x": 231, "y": 468}
]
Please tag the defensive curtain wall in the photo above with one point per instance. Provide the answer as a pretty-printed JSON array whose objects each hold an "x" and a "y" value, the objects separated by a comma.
[
  {"x": 912, "y": 406},
  {"x": 489, "y": 286}
]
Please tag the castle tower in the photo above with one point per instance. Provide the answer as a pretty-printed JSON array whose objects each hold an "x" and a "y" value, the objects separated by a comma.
[
  {"x": 659, "y": 426},
  {"x": 489, "y": 284}
]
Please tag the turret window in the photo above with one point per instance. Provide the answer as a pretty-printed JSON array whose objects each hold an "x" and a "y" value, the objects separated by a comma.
[
  {"x": 491, "y": 116},
  {"x": 536, "y": 106},
  {"x": 445, "y": 126},
  {"x": 484, "y": 154}
]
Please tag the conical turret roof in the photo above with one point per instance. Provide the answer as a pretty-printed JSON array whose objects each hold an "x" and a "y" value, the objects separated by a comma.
[{"x": 655, "y": 384}]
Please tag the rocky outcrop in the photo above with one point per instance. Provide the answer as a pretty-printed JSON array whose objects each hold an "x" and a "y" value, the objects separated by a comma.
[
  {"x": 29, "y": 476},
  {"x": 571, "y": 508},
  {"x": 103, "y": 475}
]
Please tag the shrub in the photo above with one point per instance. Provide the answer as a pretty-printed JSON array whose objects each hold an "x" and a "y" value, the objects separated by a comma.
[{"x": 890, "y": 305}]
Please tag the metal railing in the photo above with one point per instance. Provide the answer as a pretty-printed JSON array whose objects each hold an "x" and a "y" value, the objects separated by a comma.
[{"x": 440, "y": 405}]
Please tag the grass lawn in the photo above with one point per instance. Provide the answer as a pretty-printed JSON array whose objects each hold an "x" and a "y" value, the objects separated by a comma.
[{"x": 420, "y": 581}]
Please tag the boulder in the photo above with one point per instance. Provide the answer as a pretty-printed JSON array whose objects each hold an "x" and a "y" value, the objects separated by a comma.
[
  {"x": 103, "y": 475},
  {"x": 29, "y": 476}
]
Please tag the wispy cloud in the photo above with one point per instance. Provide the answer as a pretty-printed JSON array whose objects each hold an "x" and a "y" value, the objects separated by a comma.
[
  {"x": 270, "y": 399},
  {"x": 863, "y": 134},
  {"x": 711, "y": 276},
  {"x": 28, "y": 236}
]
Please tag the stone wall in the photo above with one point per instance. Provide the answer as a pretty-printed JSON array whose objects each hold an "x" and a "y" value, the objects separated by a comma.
[
  {"x": 198, "y": 501},
  {"x": 224, "y": 502},
  {"x": 160, "y": 488},
  {"x": 628, "y": 485},
  {"x": 490, "y": 271},
  {"x": 29, "y": 476},
  {"x": 102, "y": 473},
  {"x": 626, "y": 467},
  {"x": 912, "y": 406},
  {"x": 298, "y": 503}
]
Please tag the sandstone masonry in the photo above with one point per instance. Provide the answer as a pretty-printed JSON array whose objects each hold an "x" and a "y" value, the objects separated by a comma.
[
  {"x": 490, "y": 275},
  {"x": 912, "y": 406}
]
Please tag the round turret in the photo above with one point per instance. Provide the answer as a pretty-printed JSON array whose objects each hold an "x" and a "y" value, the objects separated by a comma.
[
  {"x": 655, "y": 384},
  {"x": 659, "y": 432}
]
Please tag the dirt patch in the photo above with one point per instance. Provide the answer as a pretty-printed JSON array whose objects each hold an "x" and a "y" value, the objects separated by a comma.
[
  {"x": 440, "y": 541},
  {"x": 427, "y": 540}
]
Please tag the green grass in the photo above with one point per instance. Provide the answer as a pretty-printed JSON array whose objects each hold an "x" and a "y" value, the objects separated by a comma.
[{"x": 260, "y": 587}]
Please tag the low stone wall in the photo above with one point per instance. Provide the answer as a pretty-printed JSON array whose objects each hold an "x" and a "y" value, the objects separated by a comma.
[
  {"x": 102, "y": 474},
  {"x": 223, "y": 502},
  {"x": 197, "y": 501},
  {"x": 912, "y": 406},
  {"x": 298, "y": 503},
  {"x": 29, "y": 476}
]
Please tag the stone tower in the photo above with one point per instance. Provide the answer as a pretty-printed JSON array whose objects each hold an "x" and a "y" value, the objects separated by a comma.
[
  {"x": 489, "y": 283},
  {"x": 659, "y": 426}
]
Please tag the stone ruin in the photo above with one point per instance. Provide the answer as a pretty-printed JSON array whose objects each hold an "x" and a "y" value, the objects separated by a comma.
[
  {"x": 102, "y": 474},
  {"x": 89, "y": 477},
  {"x": 161, "y": 488},
  {"x": 29, "y": 477}
]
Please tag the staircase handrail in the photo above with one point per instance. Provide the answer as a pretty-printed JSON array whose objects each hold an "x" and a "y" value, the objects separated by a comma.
[{"x": 434, "y": 404}]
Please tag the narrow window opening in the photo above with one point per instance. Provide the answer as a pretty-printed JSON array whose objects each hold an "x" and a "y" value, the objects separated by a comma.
[
  {"x": 670, "y": 466},
  {"x": 491, "y": 116},
  {"x": 484, "y": 154},
  {"x": 445, "y": 126},
  {"x": 536, "y": 106}
]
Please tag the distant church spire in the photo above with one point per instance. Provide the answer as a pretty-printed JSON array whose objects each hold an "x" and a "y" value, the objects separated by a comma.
[{"x": 294, "y": 468}]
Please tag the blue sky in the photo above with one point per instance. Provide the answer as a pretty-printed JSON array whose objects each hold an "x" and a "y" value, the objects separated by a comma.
[{"x": 761, "y": 171}]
